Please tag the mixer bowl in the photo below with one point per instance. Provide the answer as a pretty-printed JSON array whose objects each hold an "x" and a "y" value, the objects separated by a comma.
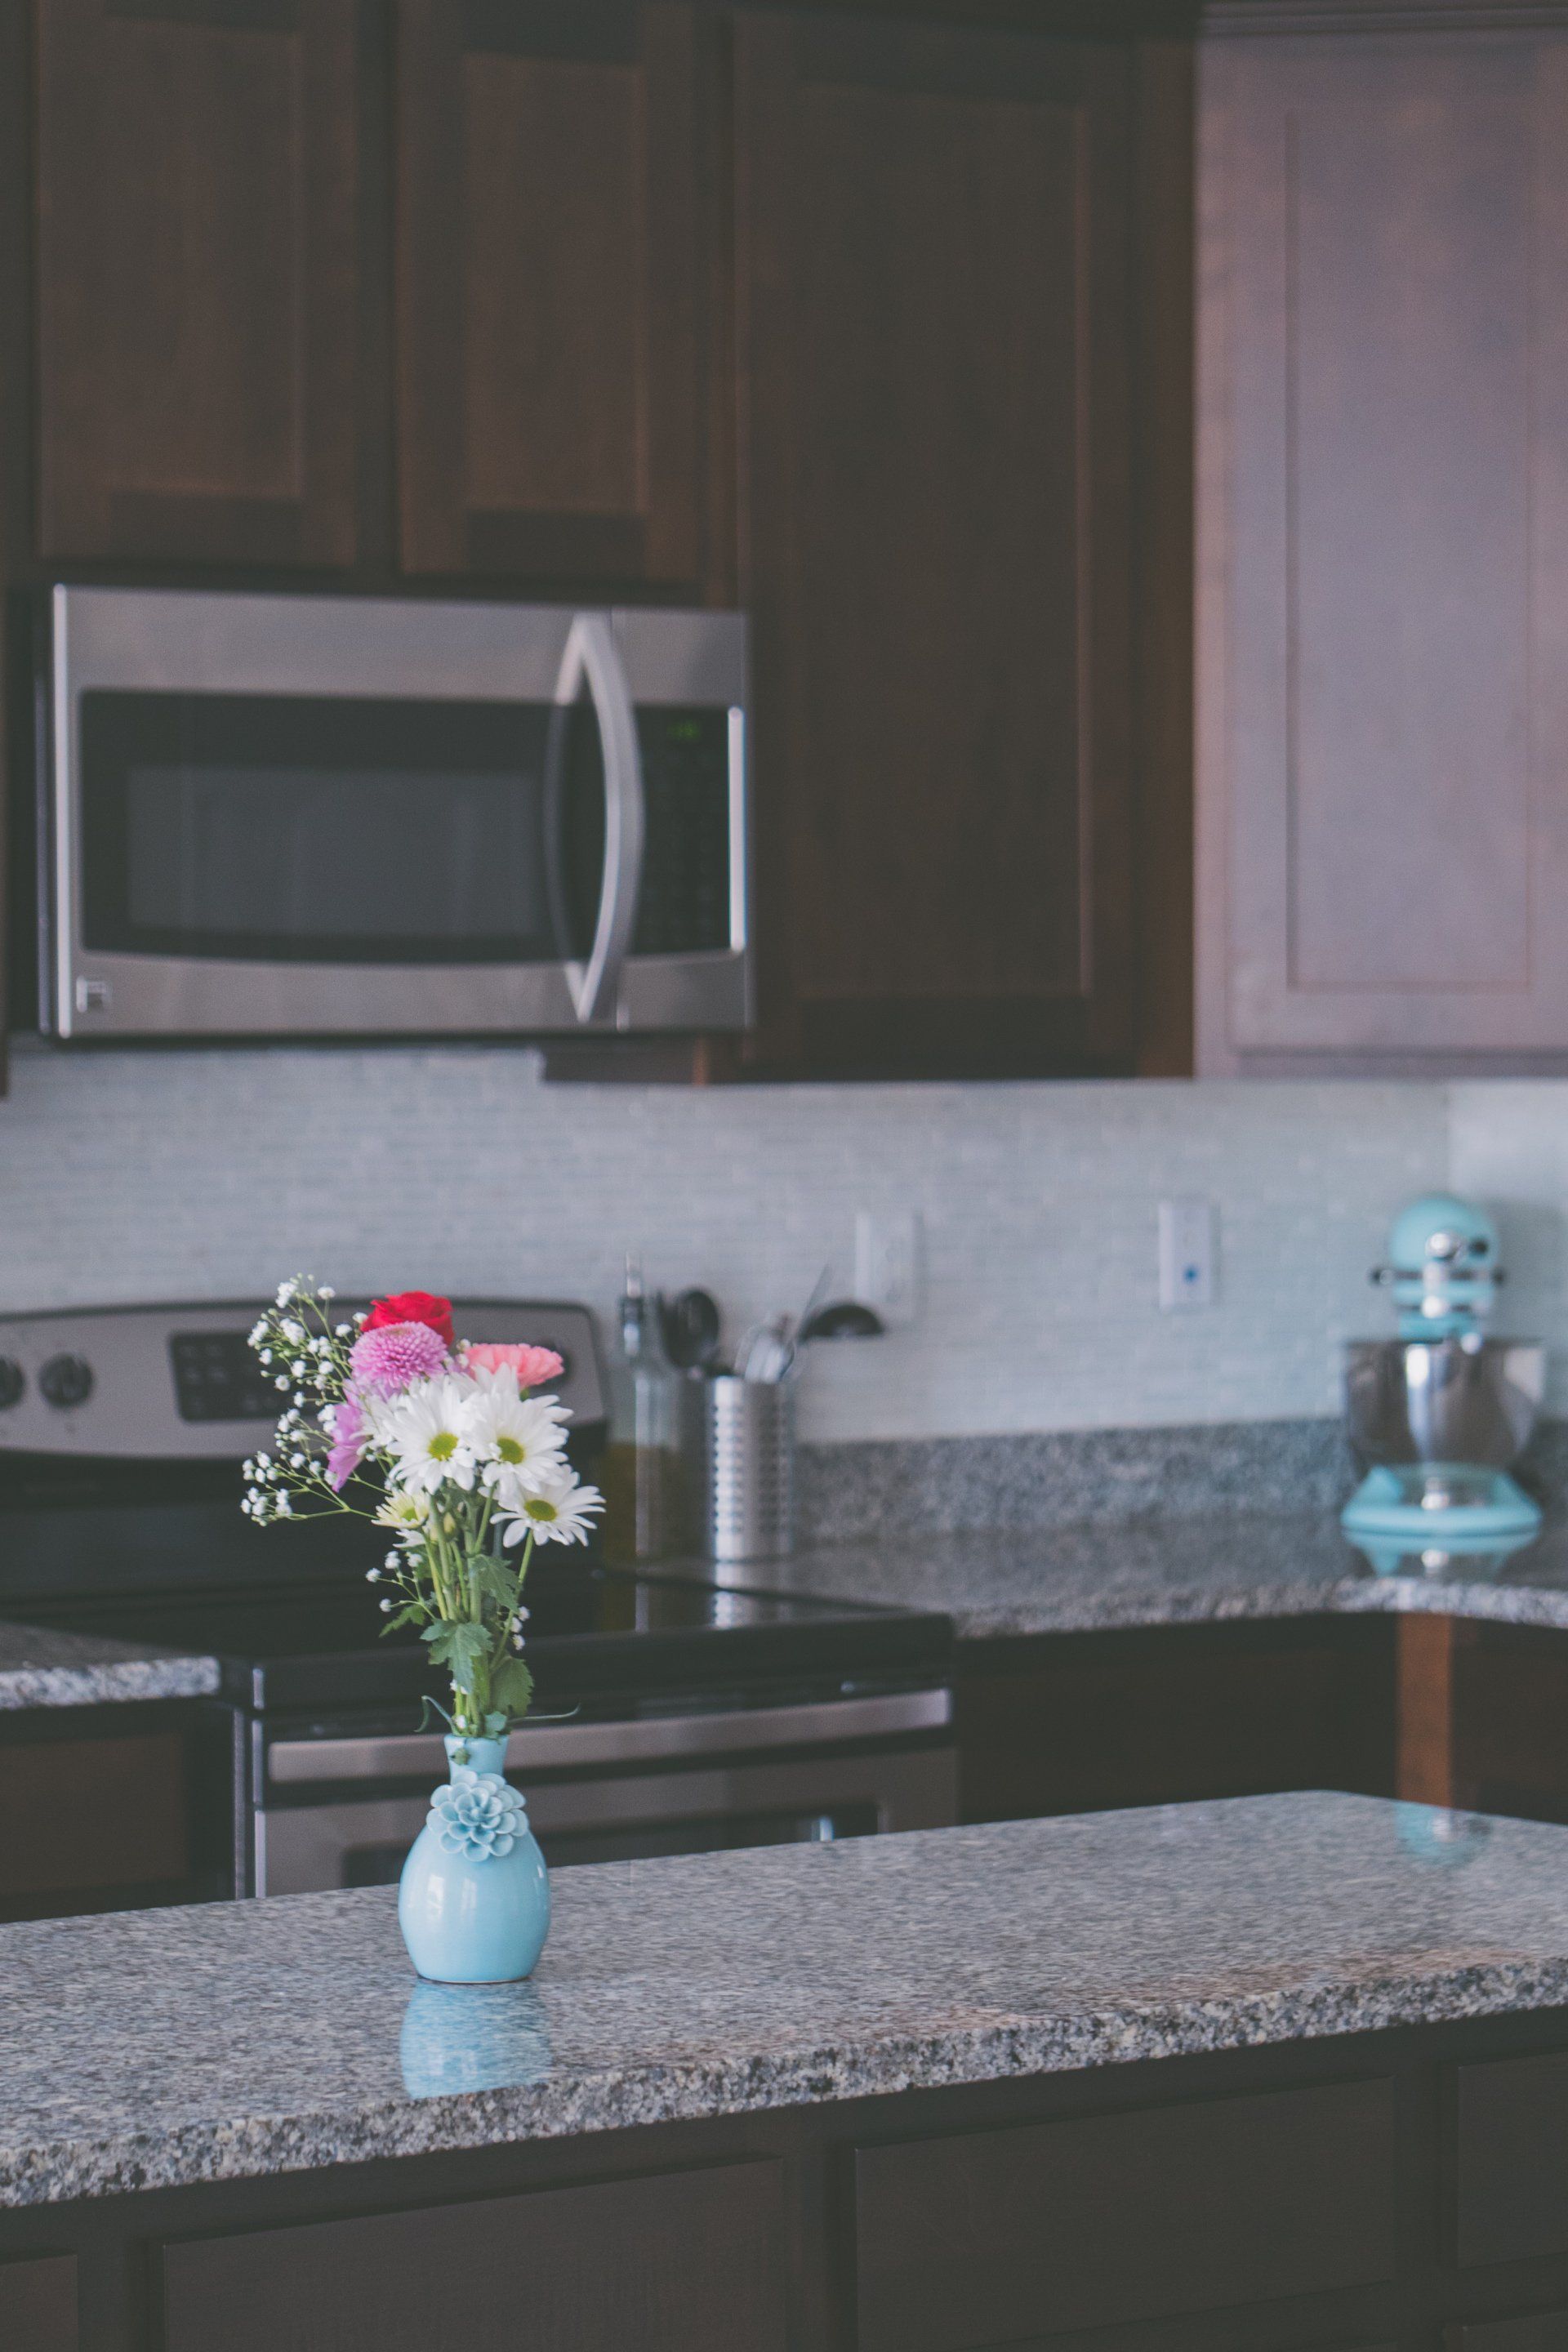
[{"x": 1456, "y": 1400}]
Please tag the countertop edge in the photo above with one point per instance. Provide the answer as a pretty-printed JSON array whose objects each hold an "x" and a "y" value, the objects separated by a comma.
[{"x": 1002, "y": 2048}]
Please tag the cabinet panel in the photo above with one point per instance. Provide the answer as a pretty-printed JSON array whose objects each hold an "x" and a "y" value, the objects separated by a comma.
[
  {"x": 1541, "y": 2331},
  {"x": 1511, "y": 2158},
  {"x": 92, "y": 1813},
  {"x": 990, "y": 2236},
  {"x": 684, "y": 2262},
  {"x": 1384, "y": 546},
  {"x": 934, "y": 305},
  {"x": 553, "y": 346},
  {"x": 197, "y": 280},
  {"x": 1147, "y": 1717},
  {"x": 37, "y": 2304}
]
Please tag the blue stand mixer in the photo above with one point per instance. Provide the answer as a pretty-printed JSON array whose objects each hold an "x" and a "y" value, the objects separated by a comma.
[{"x": 1437, "y": 1416}]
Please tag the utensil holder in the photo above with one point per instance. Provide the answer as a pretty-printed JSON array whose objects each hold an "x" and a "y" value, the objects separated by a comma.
[{"x": 749, "y": 1457}]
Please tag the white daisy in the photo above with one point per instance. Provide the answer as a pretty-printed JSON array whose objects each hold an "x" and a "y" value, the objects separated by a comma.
[
  {"x": 408, "y": 1512},
  {"x": 557, "y": 1510},
  {"x": 424, "y": 1432},
  {"x": 516, "y": 1440}
]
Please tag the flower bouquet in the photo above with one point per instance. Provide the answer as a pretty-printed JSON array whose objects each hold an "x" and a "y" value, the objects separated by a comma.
[{"x": 446, "y": 1447}]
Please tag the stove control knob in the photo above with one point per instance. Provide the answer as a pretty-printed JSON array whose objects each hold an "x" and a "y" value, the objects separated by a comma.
[
  {"x": 13, "y": 1383},
  {"x": 66, "y": 1381}
]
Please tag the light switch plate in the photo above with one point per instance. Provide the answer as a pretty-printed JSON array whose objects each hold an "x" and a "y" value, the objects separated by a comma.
[
  {"x": 1187, "y": 1255},
  {"x": 887, "y": 1265}
]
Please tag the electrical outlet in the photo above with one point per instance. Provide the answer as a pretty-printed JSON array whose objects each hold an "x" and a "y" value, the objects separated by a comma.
[
  {"x": 1187, "y": 1255},
  {"x": 888, "y": 1265}
]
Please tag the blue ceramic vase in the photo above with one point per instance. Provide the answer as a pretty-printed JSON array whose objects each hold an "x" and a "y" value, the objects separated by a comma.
[{"x": 474, "y": 1899}]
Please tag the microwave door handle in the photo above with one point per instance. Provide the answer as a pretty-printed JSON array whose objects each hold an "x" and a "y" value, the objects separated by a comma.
[{"x": 593, "y": 655}]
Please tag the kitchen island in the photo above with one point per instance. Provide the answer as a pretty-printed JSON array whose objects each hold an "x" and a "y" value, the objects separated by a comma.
[{"x": 1288, "y": 2070}]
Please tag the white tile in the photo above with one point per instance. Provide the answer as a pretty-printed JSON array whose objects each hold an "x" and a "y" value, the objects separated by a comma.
[{"x": 175, "y": 1175}]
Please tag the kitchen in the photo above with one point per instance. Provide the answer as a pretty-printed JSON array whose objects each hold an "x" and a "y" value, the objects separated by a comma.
[{"x": 1129, "y": 884}]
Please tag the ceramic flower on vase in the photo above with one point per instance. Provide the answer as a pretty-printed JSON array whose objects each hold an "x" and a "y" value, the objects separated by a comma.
[{"x": 447, "y": 1448}]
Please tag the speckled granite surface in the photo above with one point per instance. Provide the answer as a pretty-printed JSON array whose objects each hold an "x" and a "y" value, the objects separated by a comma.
[
  {"x": 943, "y": 1484},
  {"x": 239, "y": 2039},
  {"x": 1184, "y": 1571},
  {"x": 41, "y": 1667}
]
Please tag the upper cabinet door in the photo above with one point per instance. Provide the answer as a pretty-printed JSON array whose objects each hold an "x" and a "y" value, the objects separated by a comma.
[
  {"x": 552, "y": 343},
  {"x": 197, "y": 280},
  {"x": 1383, "y": 774},
  {"x": 934, "y": 305}
]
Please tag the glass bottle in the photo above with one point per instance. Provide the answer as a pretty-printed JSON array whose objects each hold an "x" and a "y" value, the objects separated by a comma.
[{"x": 646, "y": 1504}]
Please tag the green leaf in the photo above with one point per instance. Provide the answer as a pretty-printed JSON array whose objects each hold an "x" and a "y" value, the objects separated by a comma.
[
  {"x": 494, "y": 1578},
  {"x": 414, "y": 1615},
  {"x": 511, "y": 1688}
]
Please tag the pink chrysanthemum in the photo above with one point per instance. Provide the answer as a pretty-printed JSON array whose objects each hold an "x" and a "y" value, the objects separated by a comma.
[
  {"x": 533, "y": 1366},
  {"x": 349, "y": 1434},
  {"x": 391, "y": 1360}
]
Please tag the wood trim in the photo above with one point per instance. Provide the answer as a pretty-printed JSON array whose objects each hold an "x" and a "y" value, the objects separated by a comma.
[
  {"x": 16, "y": 460},
  {"x": 1214, "y": 1055},
  {"x": 1163, "y": 230},
  {"x": 1248, "y": 19},
  {"x": 1423, "y": 1766}
]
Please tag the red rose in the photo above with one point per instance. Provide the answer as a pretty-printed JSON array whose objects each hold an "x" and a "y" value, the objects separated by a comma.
[{"x": 413, "y": 1306}]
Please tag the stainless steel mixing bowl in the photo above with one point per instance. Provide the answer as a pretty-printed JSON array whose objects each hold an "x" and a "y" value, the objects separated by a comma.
[{"x": 1443, "y": 1399}]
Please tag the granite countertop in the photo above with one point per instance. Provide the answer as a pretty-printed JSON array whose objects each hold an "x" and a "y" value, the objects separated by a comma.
[
  {"x": 992, "y": 1583},
  {"x": 239, "y": 2039},
  {"x": 1180, "y": 1571},
  {"x": 40, "y": 1666}
]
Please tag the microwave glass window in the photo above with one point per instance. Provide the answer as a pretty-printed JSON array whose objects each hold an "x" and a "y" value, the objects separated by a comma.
[{"x": 333, "y": 829}]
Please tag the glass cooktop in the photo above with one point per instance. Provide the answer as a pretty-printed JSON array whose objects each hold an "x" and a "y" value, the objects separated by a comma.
[{"x": 290, "y": 1611}]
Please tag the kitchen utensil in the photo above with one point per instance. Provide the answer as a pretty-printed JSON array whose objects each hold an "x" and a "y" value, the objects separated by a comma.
[
  {"x": 845, "y": 1319},
  {"x": 691, "y": 1322},
  {"x": 766, "y": 1353},
  {"x": 769, "y": 1351},
  {"x": 1438, "y": 1414},
  {"x": 751, "y": 1468}
]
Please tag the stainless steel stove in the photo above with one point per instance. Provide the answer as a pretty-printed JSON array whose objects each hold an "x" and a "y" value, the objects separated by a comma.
[{"x": 671, "y": 1715}]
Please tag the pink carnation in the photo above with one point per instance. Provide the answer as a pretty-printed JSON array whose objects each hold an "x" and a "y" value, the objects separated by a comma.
[
  {"x": 349, "y": 1434},
  {"x": 388, "y": 1360},
  {"x": 533, "y": 1366}
]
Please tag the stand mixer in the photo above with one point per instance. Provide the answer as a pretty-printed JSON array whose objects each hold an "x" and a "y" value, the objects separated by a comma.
[{"x": 1437, "y": 1416}]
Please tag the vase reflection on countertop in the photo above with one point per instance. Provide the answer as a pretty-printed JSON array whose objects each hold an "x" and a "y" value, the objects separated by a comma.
[
  {"x": 1439, "y": 1835},
  {"x": 458, "y": 2038}
]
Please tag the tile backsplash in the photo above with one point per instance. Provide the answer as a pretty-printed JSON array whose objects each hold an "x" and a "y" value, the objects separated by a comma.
[
  {"x": 1508, "y": 1144},
  {"x": 208, "y": 1174}
]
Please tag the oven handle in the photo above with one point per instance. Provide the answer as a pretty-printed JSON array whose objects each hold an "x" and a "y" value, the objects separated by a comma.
[
  {"x": 591, "y": 652},
  {"x": 640, "y": 1739}
]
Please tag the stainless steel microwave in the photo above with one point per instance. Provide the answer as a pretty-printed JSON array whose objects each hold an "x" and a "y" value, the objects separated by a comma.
[{"x": 303, "y": 815}]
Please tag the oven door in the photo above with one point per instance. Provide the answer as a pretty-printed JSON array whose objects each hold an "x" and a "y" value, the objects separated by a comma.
[
  {"x": 301, "y": 816},
  {"x": 608, "y": 1792}
]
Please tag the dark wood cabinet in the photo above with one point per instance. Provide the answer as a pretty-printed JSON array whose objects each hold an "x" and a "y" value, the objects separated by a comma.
[
  {"x": 1511, "y": 2187},
  {"x": 38, "y": 2306},
  {"x": 196, "y": 280},
  {"x": 114, "y": 1807},
  {"x": 1384, "y": 544},
  {"x": 932, "y": 315},
  {"x": 676, "y": 2261},
  {"x": 835, "y": 314},
  {"x": 986, "y": 2238},
  {"x": 1086, "y": 1722},
  {"x": 555, "y": 223}
]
